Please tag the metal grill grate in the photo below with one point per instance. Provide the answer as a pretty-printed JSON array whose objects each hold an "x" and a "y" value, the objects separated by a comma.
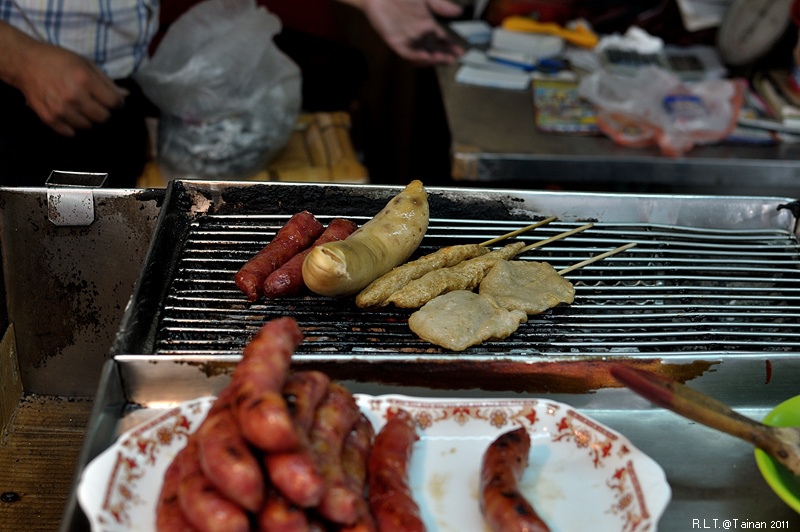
[{"x": 680, "y": 290}]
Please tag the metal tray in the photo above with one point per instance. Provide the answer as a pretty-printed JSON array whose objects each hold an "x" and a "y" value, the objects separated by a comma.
[{"x": 713, "y": 476}]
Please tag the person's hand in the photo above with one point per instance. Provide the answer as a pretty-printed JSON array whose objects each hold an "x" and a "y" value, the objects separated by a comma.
[
  {"x": 410, "y": 29},
  {"x": 67, "y": 91}
]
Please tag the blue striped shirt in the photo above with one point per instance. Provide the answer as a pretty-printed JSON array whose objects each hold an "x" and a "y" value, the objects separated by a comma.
[{"x": 114, "y": 34}]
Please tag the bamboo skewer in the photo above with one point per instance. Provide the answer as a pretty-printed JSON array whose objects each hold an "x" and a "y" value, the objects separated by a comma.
[
  {"x": 557, "y": 237},
  {"x": 466, "y": 275},
  {"x": 377, "y": 292},
  {"x": 470, "y": 273},
  {"x": 518, "y": 231},
  {"x": 596, "y": 258},
  {"x": 468, "y": 280}
]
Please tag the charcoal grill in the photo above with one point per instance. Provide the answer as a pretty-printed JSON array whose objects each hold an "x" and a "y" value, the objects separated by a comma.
[
  {"x": 709, "y": 294},
  {"x": 709, "y": 277}
]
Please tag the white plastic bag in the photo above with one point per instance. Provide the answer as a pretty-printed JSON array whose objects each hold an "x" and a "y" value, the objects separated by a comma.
[
  {"x": 654, "y": 107},
  {"x": 228, "y": 97}
]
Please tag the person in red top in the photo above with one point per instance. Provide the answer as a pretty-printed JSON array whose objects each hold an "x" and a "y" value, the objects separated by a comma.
[{"x": 66, "y": 98}]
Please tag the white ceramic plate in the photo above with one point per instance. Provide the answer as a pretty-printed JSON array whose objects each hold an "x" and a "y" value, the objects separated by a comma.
[{"x": 581, "y": 476}]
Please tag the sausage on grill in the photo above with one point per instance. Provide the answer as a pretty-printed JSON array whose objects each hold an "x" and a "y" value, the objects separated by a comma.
[
  {"x": 502, "y": 504},
  {"x": 288, "y": 279},
  {"x": 390, "y": 497},
  {"x": 296, "y": 235},
  {"x": 344, "y": 268}
]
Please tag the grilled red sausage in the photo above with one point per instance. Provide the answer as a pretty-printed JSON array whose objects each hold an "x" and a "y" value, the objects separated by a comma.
[
  {"x": 225, "y": 457},
  {"x": 169, "y": 516},
  {"x": 333, "y": 421},
  {"x": 355, "y": 453},
  {"x": 296, "y": 235},
  {"x": 257, "y": 383},
  {"x": 296, "y": 475},
  {"x": 390, "y": 498},
  {"x": 502, "y": 504},
  {"x": 200, "y": 501},
  {"x": 302, "y": 391},
  {"x": 317, "y": 524},
  {"x": 366, "y": 523},
  {"x": 279, "y": 515},
  {"x": 288, "y": 279}
]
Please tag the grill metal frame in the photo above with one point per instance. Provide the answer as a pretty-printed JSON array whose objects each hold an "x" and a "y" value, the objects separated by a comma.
[
  {"x": 709, "y": 277},
  {"x": 710, "y": 475}
]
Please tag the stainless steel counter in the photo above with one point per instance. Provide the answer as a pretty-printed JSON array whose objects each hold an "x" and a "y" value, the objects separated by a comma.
[
  {"x": 712, "y": 476},
  {"x": 495, "y": 141},
  {"x": 66, "y": 286},
  {"x": 64, "y": 290}
]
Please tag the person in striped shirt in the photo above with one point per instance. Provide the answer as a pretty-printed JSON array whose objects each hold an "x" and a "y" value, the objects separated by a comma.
[{"x": 67, "y": 97}]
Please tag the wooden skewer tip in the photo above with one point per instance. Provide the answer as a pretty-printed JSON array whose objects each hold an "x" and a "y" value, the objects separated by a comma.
[
  {"x": 556, "y": 237},
  {"x": 596, "y": 258},
  {"x": 518, "y": 231}
]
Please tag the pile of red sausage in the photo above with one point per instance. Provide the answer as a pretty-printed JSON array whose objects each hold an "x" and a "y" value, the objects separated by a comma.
[
  {"x": 277, "y": 270},
  {"x": 283, "y": 450}
]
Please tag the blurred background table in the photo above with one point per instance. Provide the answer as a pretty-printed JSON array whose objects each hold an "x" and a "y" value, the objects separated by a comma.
[{"x": 495, "y": 143}]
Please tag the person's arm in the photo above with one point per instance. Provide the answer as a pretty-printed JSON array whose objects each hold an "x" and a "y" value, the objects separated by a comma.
[
  {"x": 65, "y": 90},
  {"x": 410, "y": 29}
]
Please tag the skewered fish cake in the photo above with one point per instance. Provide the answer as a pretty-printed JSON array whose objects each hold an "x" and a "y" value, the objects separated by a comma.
[
  {"x": 466, "y": 275},
  {"x": 461, "y": 318},
  {"x": 532, "y": 287},
  {"x": 381, "y": 288}
]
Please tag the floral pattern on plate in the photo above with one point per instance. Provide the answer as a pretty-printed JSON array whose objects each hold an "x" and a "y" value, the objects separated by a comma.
[
  {"x": 119, "y": 489},
  {"x": 581, "y": 474}
]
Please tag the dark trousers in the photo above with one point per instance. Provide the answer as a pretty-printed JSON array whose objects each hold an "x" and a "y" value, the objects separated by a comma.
[{"x": 30, "y": 150}]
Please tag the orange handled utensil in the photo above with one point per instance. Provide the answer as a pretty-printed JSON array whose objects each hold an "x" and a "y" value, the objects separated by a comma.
[{"x": 579, "y": 34}]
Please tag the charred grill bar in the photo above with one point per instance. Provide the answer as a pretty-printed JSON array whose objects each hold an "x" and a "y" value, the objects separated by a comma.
[
  {"x": 679, "y": 290},
  {"x": 729, "y": 285}
]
